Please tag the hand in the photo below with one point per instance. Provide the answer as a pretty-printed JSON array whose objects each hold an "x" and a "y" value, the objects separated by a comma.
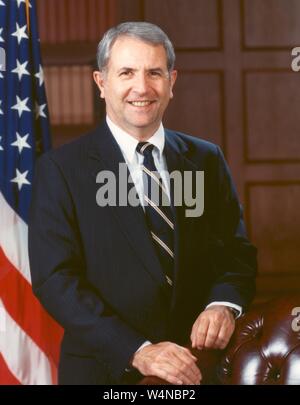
[
  {"x": 168, "y": 361},
  {"x": 213, "y": 328}
]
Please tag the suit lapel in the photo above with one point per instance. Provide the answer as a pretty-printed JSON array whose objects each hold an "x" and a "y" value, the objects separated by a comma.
[
  {"x": 175, "y": 150},
  {"x": 105, "y": 154}
]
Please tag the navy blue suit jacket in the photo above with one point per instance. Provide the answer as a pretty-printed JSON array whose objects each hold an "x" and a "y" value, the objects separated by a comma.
[{"x": 95, "y": 269}]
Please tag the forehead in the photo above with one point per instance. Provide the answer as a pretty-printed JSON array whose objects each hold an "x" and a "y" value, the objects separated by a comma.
[{"x": 132, "y": 52}]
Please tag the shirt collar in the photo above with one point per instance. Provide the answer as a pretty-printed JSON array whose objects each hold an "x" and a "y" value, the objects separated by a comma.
[{"x": 128, "y": 143}]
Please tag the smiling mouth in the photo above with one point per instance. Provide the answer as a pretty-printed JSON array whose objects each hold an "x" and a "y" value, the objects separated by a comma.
[{"x": 140, "y": 103}]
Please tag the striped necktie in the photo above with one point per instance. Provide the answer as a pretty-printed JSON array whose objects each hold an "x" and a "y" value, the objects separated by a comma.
[{"x": 159, "y": 215}]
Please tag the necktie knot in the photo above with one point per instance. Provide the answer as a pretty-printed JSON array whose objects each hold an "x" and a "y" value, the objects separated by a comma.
[{"x": 145, "y": 148}]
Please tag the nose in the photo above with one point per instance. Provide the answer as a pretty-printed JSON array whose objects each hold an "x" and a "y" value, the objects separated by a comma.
[{"x": 141, "y": 83}]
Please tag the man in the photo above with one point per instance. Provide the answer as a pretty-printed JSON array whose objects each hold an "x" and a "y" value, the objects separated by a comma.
[{"x": 132, "y": 285}]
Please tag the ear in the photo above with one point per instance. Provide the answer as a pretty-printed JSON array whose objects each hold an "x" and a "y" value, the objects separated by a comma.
[
  {"x": 173, "y": 77},
  {"x": 99, "y": 80}
]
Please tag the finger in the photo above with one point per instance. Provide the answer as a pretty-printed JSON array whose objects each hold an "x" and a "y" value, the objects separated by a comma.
[
  {"x": 185, "y": 361},
  {"x": 195, "y": 328},
  {"x": 201, "y": 333},
  {"x": 187, "y": 352},
  {"x": 220, "y": 342},
  {"x": 172, "y": 373},
  {"x": 223, "y": 337},
  {"x": 193, "y": 332},
  {"x": 189, "y": 368},
  {"x": 186, "y": 366},
  {"x": 188, "y": 358},
  {"x": 188, "y": 363},
  {"x": 183, "y": 368},
  {"x": 166, "y": 374},
  {"x": 211, "y": 336}
]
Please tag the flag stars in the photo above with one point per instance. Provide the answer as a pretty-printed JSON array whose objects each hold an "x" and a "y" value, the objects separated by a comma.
[
  {"x": 20, "y": 33},
  {"x": 21, "y": 106},
  {"x": 22, "y": 1},
  {"x": 1, "y": 112},
  {"x": 21, "y": 142},
  {"x": 1, "y": 38},
  {"x": 40, "y": 75},
  {"x": 1, "y": 3},
  {"x": 0, "y": 143},
  {"x": 21, "y": 69},
  {"x": 20, "y": 179},
  {"x": 39, "y": 110}
]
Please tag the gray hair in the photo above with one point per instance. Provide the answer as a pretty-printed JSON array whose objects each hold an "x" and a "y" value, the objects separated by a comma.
[{"x": 144, "y": 31}]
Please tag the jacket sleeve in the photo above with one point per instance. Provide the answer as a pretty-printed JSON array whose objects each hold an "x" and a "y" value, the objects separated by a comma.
[
  {"x": 233, "y": 256},
  {"x": 58, "y": 274}
]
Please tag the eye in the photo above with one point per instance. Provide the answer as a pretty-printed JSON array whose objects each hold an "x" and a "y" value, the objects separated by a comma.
[
  {"x": 155, "y": 73},
  {"x": 126, "y": 73}
]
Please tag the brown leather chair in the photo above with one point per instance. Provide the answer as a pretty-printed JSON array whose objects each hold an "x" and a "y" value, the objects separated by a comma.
[{"x": 264, "y": 349}]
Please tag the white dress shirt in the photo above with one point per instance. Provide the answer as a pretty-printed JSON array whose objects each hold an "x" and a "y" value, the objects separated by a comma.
[{"x": 134, "y": 160}]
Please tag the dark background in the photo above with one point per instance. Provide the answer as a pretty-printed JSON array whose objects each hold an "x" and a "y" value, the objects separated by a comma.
[{"x": 235, "y": 88}]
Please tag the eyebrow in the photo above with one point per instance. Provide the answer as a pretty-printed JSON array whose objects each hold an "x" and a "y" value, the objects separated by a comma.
[
  {"x": 125, "y": 68},
  {"x": 157, "y": 69}
]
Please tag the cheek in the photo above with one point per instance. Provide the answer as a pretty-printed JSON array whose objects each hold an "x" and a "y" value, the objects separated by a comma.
[
  {"x": 114, "y": 96},
  {"x": 167, "y": 92},
  {"x": 120, "y": 94}
]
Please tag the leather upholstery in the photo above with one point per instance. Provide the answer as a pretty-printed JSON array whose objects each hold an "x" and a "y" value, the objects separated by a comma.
[{"x": 264, "y": 349}]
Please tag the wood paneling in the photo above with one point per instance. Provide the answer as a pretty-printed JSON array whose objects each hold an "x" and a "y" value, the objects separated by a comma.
[
  {"x": 129, "y": 10},
  {"x": 272, "y": 129},
  {"x": 63, "y": 21},
  {"x": 235, "y": 87},
  {"x": 73, "y": 53},
  {"x": 273, "y": 285},
  {"x": 275, "y": 229},
  {"x": 275, "y": 225},
  {"x": 62, "y": 134},
  {"x": 192, "y": 24},
  {"x": 70, "y": 93},
  {"x": 205, "y": 117},
  {"x": 271, "y": 23}
]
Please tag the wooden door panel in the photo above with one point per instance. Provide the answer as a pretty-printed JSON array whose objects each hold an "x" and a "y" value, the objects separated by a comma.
[{"x": 235, "y": 88}]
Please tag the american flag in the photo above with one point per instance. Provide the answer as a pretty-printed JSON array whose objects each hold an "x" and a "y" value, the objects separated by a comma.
[{"x": 29, "y": 338}]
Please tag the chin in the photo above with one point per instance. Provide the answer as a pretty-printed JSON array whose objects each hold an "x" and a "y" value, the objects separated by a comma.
[{"x": 144, "y": 122}]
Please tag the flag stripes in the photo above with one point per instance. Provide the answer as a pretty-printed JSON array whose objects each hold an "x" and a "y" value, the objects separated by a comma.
[
  {"x": 29, "y": 338},
  {"x": 13, "y": 238},
  {"x": 18, "y": 349},
  {"x": 42, "y": 330},
  {"x": 5, "y": 374}
]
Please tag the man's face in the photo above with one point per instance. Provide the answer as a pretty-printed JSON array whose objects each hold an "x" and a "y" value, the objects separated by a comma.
[{"x": 136, "y": 86}]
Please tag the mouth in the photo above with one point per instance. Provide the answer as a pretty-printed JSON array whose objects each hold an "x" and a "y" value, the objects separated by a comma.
[{"x": 143, "y": 103}]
